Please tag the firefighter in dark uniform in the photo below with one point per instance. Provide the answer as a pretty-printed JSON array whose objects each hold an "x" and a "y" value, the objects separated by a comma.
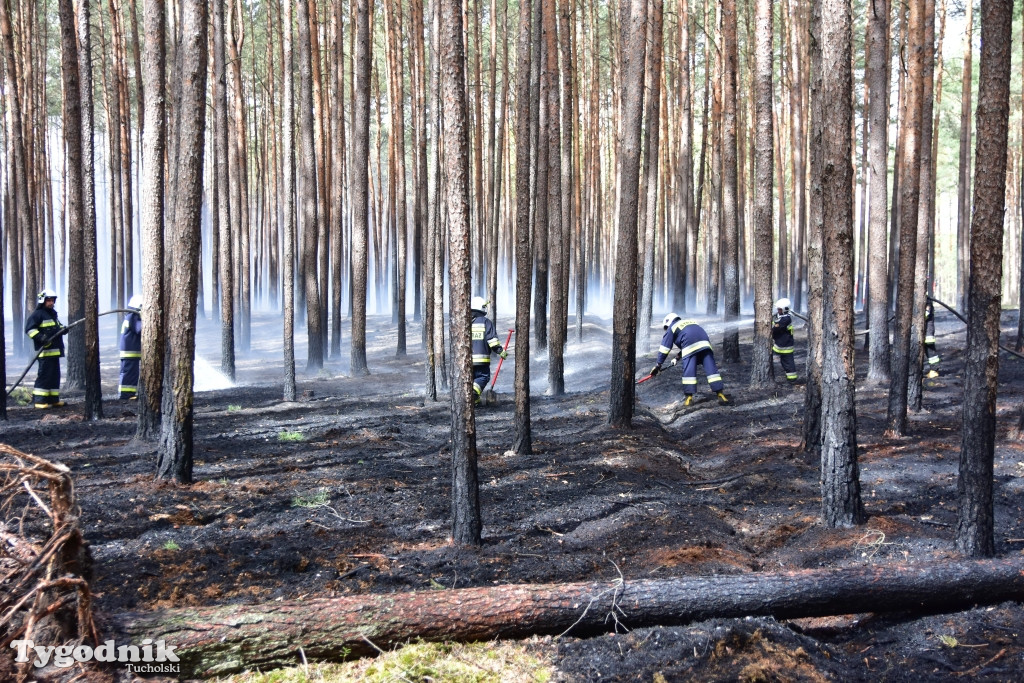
[
  {"x": 929, "y": 341},
  {"x": 130, "y": 348},
  {"x": 485, "y": 340},
  {"x": 694, "y": 347},
  {"x": 782, "y": 338},
  {"x": 46, "y": 332}
]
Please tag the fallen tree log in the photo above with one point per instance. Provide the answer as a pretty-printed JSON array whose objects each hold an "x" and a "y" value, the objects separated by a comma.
[{"x": 221, "y": 640}]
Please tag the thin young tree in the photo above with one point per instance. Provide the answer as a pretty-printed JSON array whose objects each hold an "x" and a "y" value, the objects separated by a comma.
[
  {"x": 466, "y": 523},
  {"x": 522, "y": 440},
  {"x": 93, "y": 408},
  {"x": 761, "y": 369},
  {"x": 649, "y": 217},
  {"x": 878, "y": 165},
  {"x": 633, "y": 31},
  {"x": 17, "y": 172},
  {"x": 396, "y": 89},
  {"x": 307, "y": 195},
  {"x": 923, "y": 220},
  {"x": 553, "y": 197},
  {"x": 975, "y": 514},
  {"x": 832, "y": 86},
  {"x": 288, "y": 189},
  {"x": 963, "y": 187},
  {"x": 225, "y": 257},
  {"x": 174, "y": 456},
  {"x": 154, "y": 140},
  {"x": 813, "y": 396},
  {"x": 730, "y": 201},
  {"x": 909, "y": 185},
  {"x": 359, "y": 178}
]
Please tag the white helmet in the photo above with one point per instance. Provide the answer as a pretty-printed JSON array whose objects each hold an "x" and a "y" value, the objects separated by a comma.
[
  {"x": 47, "y": 293},
  {"x": 477, "y": 303},
  {"x": 135, "y": 303},
  {"x": 783, "y": 303},
  {"x": 669, "y": 319}
]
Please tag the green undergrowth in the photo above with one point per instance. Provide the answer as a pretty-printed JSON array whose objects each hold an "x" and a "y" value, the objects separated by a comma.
[{"x": 490, "y": 662}]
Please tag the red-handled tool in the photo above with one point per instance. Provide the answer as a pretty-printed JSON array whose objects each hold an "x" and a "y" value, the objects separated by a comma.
[{"x": 502, "y": 360}]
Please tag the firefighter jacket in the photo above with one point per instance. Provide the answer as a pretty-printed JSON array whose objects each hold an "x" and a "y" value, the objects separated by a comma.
[
  {"x": 782, "y": 333},
  {"x": 687, "y": 335},
  {"x": 42, "y": 325},
  {"x": 485, "y": 339},
  {"x": 131, "y": 337},
  {"x": 929, "y": 324}
]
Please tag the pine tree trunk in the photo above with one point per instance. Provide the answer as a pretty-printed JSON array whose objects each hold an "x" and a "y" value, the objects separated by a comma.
[
  {"x": 877, "y": 77},
  {"x": 522, "y": 441},
  {"x": 227, "y": 227},
  {"x": 90, "y": 310},
  {"x": 466, "y": 523},
  {"x": 730, "y": 189},
  {"x": 923, "y": 218},
  {"x": 154, "y": 141},
  {"x": 831, "y": 117},
  {"x": 963, "y": 188},
  {"x": 307, "y": 195},
  {"x": 359, "y": 177},
  {"x": 174, "y": 456},
  {"x": 910, "y": 173},
  {"x": 633, "y": 32},
  {"x": 975, "y": 517},
  {"x": 761, "y": 370},
  {"x": 649, "y": 217},
  {"x": 288, "y": 163},
  {"x": 553, "y": 197},
  {"x": 396, "y": 88}
]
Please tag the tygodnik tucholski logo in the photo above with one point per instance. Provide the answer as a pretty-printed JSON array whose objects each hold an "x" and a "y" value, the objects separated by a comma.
[{"x": 149, "y": 657}]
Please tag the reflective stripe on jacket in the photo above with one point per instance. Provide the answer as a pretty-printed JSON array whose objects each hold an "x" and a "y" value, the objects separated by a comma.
[{"x": 485, "y": 339}]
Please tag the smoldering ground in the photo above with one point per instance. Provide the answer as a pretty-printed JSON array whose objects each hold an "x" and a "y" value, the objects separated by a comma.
[{"x": 347, "y": 491}]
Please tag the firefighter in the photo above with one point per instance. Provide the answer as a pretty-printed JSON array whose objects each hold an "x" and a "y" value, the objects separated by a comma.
[
  {"x": 47, "y": 333},
  {"x": 485, "y": 341},
  {"x": 130, "y": 347},
  {"x": 694, "y": 347},
  {"x": 782, "y": 338},
  {"x": 929, "y": 341}
]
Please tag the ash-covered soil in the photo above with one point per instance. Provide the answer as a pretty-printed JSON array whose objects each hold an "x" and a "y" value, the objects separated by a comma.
[{"x": 347, "y": 491}]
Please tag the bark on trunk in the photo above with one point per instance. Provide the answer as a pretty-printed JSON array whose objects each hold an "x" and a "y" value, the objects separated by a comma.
[
  {"x": 831, "y": 119},
  {"x": 307, "y": 187},
  {"x": 225, "y": 260},
  {"x": 522, "y": 440},
  {"x": 975, "y": 523},
  {"x": 154, "y": 141},
  {"x": 650, "y": 174},
  {"x": 466, "y": 523},
  {"x": 223, "y": 640},
  {"x": 553, "y": 197},
  {"x": 963, "y": 188},
  {"x": 633, "y": 21},
  {"x": 878, "y": 164},
  {"x": 288, "y": 279},
  {"x": 359, "y": 174},
  {"x": 730, "y": 195},
  {"x": 761, "y": 374},
  {"x": 174, "y": 457}
]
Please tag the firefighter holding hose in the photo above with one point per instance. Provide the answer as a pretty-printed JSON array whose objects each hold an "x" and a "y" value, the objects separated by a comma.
[
  {"x": 485, "y": 341},
  {"x": 694, "y": 347},
  {"x": 46, "y": 331}
]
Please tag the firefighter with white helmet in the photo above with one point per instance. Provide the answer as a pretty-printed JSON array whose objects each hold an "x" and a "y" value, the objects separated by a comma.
[
  {"x": 694, "y": 347},
  {"x": 929, "y": 341},
  {"x": 782, "y": 338},
  {"x": 47, "y": 333},
  {"x": 485, "y": 341},
  {"x": 130, "y": 347}
]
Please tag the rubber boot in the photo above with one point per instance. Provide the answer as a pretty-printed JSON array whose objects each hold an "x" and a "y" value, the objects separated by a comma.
[{"x": 689, "y": 400}]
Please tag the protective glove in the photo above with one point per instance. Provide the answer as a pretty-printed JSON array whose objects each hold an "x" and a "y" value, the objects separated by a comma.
[
  {"x": 674, "y": 361},
  {"x": 655, "y": 370},
  {"x": 503, "y": 354}
]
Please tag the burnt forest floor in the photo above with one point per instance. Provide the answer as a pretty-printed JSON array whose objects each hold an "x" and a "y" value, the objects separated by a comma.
[{"x": 347, "y": 491}]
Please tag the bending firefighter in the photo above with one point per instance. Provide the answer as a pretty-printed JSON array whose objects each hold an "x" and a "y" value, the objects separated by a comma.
[
  {"x": 929, "y": 341},
  {"x": 694, "y": 347},
  {"x": 782, "y": 338},
  {"x": 130, "y": 347},
  {"x": 46, "y": 332},
  {"x": 485, "y": 340}
]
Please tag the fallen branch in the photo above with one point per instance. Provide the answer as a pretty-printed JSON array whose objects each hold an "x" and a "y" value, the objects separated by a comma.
[{"x": 221, "y": 640}]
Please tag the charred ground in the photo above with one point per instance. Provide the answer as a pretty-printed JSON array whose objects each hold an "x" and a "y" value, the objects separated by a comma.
[{"x": 347, "y": 491}]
